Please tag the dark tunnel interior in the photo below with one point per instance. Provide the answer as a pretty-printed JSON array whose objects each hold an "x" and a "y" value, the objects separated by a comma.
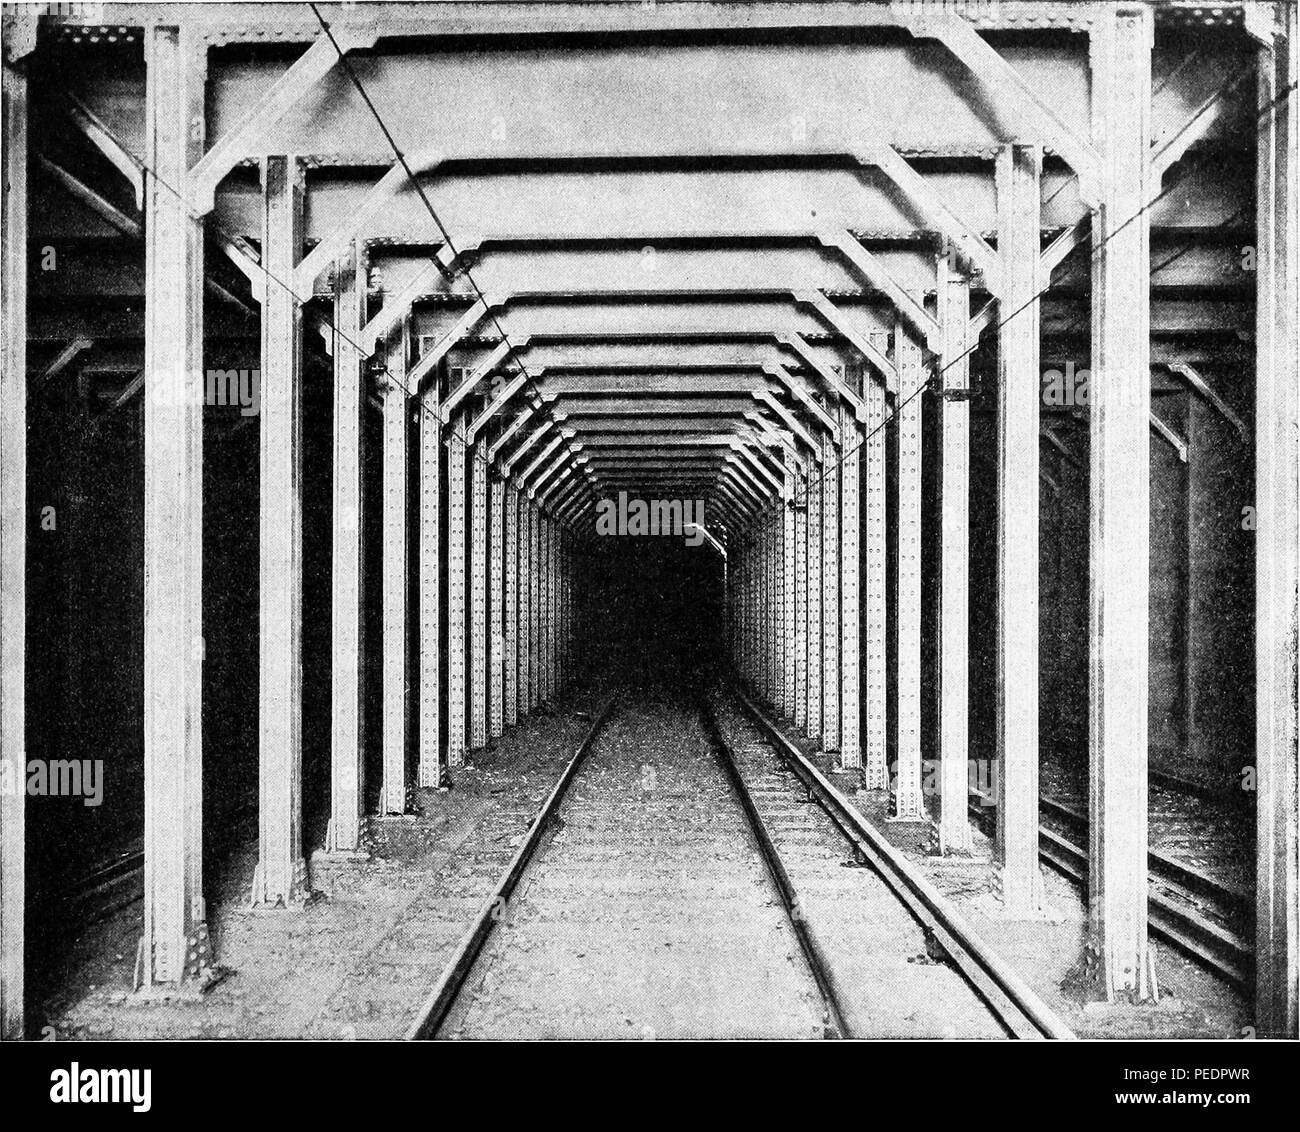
[
  {"x": 781, "y": 402},
  {"x": 655, "y": 611}
]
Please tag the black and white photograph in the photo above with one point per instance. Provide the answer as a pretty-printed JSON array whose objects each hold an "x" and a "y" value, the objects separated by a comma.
[{"x": 675, "y": 521}]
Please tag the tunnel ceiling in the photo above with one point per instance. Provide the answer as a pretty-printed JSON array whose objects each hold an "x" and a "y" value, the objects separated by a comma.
[{"x": 684, "y": 261}]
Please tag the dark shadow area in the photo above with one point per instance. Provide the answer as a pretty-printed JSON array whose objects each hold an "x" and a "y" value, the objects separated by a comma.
[{"x": 654, "y": 617}]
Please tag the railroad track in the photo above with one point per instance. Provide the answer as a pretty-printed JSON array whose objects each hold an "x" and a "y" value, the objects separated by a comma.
[
  {"x": 434, "y": 1010},
  {"x": 686, "y": 827},
  {"x": 1188, "y": 908},
  {"x": 116, "y": 882},
  {"x": 1017, "y": 1008}
]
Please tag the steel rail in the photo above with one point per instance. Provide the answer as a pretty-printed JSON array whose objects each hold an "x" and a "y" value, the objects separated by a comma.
[
  {"x": 435, "y": 1008},
  {"x": 1214, "y": 946},
  {"x": 822, "y": 973},
  {"x": 1234, "y": 903},
  {"x": 1220, "y": 949},
  {"x": 89, "y": 897},
  {"x": 1016, "y": 1004},
  {"x": 1223, "y": 951}
]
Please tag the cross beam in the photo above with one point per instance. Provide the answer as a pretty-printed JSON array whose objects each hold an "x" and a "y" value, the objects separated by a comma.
[{"x": 255, "y": 128}]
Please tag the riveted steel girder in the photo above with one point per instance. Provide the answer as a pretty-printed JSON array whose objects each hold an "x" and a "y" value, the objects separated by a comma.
[
  {"x": 524, "y": 416},
  {"x": 532, "y": 438},
  {"x": 428, "y": 359},
  {"x": 662, "y": 384},
  {"x": 498, "y": 357},
  {"x": 659, "y": 312}
]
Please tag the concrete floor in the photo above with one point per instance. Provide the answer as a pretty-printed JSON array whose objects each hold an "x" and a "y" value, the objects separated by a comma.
[
  {"x": 647, "y": 913},
  {"x": 650, "y": 913},
  {"x": 358, "y": 963}
]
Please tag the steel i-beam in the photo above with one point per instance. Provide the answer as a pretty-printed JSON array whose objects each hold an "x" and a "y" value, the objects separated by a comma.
[
  {"x": 510, "y": 612},
  {"x": 1119, "y": 953},
  {"x": 430, "y": 599},
  {"x": 478, "y": 594},
  {"x": 347, "y": 629},
  {"x": 1277, "y": 618},
  {"x": 457, "y": 722},
  {"x": 1018, "y": 175},
  {"x": 281, "y": 875},
  {"x": 830, "y": 595},
  {"x": 875, "y": 771},
  {"x": 537, "y": 693},
  {"x": 496, "y": 606},
  {"x": 13, "y": 545},
  {"x": 396, "y": 625},
  {"x": 812, "y": 502},
  {"x": 175, "y": 942},
  {"x": 953, "y": 301},
  {"x": 798, "y": 507},
  {"x": 850, "y": 729},
  {"x": 526, "y": 566},
  {"x": 908, "y": 803}
]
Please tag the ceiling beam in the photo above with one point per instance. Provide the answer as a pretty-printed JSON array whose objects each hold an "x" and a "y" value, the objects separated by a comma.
[
  {"x": 250, "y": 135},
  {"x": 1017, "y": 102}
]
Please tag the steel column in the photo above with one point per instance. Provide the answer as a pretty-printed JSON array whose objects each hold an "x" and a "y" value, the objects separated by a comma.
[
  {"x": 772, "y": 627},
  {"x": 568, "y": 605},
  {"x": 13, "y": 547},
  {"x": 756, "y": 611},
  {"x": 788, "y": 584},
  {"x": 799, "y": 505},
  {"x": 396, "y": 634},
  {"x": 1017, "y": 659},
  {"x": 1277, "y": 534},
  {"x": 772, "y": 606},
  {"x": 875, "y": 557},
  {"x": 566, "y": 600},
  {"x": 543, "y": 609},
  {"x": 430, "y": 585},
  {"x": 347, "y": 626},
  {"x": 555, "y": 607},
  {"x": 175, "y": 942},
  {"x": 850, "y": 581},
  {"x": 280, "y": 877},
  {"x": 543, "y": 686},
  {"x": 478, "y": 591},
  {"x": 552, "y": 636},
  {"x": 553, "y": 586},
  {"x": 762, "y": 623},
  {"x": 830, "y": 595},
  {"x": 908, "y": 798},
  {"x": 740, "y": 651},
  {"x": 553, "y": 534},
  {"x": 740, "y": 656},
  {"x": 746, "y": 654},
  {"x": 526, "y": 563},
  {"x": 561, "y": 617},
  {"x": 535, "y": 693},
  {"x": 510, "y": 612},
  {"x": 953, "y": 303},
  {"x": 496, "y": 607},
  {"x": 755, "y": 628},
  {"x": 1120, "y": 510},
  {"x": 813, "y": 620},
  {"x": 457, "y": 724}
]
